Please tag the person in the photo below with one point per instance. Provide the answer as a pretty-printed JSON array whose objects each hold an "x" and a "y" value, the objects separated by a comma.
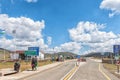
[
  {"x": 78, "y": 62},
  {"x": 33, "y": 63},
  {"x": 36, "y": 62},
  {"x": 17, "y": 66}
]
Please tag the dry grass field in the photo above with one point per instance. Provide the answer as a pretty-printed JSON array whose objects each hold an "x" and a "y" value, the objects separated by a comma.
[{"x": 24, "y": 65}]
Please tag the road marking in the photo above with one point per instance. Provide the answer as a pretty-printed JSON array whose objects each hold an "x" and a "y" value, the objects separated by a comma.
[
  {"x": 70, "y": 73},
  {"x": 108, "y": 78}
]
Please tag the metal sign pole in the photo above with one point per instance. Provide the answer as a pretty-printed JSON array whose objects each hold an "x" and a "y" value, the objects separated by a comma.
[{"x": 118, "y": 68}]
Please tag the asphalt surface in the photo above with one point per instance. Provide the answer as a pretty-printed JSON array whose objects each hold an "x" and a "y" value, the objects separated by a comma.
[
  {"x": 55, "y": 73},
  {"x": 91, "y": 71}
]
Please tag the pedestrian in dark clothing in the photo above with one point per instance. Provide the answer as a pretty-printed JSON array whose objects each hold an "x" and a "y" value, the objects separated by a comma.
[
  {"x": 36, "y": 62},
  {"x": 17, "y": 66},
  {"x": 33, "y": 63}
]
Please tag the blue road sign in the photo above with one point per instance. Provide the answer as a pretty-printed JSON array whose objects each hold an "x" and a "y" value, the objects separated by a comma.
[
  {"x": 35, "y": 49},
  {"x": 116, "y": 49},
  {"x": 78, "y": 56}
]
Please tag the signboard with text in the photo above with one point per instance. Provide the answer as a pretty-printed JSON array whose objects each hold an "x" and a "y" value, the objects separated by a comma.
[
  {"x": 78, "y": 56},
  {"x": 30, "y": 53},
  {"x": 116, "y": 50},
  {"x": 34, "y": 49}
]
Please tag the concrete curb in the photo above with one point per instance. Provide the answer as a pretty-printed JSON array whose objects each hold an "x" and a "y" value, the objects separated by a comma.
[
  {"x": 38, "y": 72},
  {"x": 8, "y": 71},
  {"x": 25, "y": 74}
]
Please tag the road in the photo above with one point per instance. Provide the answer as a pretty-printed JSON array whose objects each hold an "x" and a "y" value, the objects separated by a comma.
[
  {"x": 91, "y": 71},
  {"x": 55, "y": 73}
]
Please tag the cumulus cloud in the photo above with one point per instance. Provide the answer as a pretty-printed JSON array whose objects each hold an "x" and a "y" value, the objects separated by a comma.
[
  {"x": 71, "y": 47},
  {"x": 24, "y": 30},
  {"x": 92, "y": 35},
  {"x": 31, "y": 1},
  {"x": 113, "y": 5},
  {"x": 21, "y": 27},
  {"x": 90, "y": 32},
  {"x": 49, "y": 40}
]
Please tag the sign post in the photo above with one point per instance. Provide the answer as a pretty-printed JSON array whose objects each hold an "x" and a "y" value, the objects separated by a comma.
[
  {"x": 30, "y": 53},
  {"x": 34, "y": 49},
  {"x": 116, "y": 50},
  {"x": 118, "y": 63}
]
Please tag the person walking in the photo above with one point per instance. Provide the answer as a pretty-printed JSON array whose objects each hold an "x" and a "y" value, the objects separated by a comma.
[
  {"x": 33, "y": 63},
  {"x": 36, "y": 62}
]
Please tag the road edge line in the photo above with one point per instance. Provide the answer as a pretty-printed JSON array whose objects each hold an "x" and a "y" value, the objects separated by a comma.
[{"x": 108, "y": 78}]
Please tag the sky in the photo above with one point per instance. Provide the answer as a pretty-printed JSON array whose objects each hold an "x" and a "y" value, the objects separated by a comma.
[{"x": 78, "y": 26}]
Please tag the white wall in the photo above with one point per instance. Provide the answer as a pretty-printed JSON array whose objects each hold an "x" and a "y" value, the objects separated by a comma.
[
  {"x": 14, "y": 56},
  {"x": 41, "y": 56}
]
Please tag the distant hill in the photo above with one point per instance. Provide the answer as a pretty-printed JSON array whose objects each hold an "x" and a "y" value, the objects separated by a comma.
[
  {"x": 65, "y": 54},
  {"x": 99, "y": 54},
  {"x": 2, "y": 51}
]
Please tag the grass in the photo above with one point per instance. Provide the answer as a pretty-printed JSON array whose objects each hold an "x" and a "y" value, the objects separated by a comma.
[
  {"x": 96, "y": 58},
  {"x": 111, "y": 68},
  {"x": 24, "y": 65}
]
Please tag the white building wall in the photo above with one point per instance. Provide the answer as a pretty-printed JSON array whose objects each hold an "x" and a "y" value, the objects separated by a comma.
[
  {"x": 41, "y": 56},
  {"x": 14, "y": 56}
]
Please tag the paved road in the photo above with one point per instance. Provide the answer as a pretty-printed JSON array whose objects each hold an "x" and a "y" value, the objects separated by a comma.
[
  {"x": 55, "y": 73},
  {"x": 90, "y": 71}
]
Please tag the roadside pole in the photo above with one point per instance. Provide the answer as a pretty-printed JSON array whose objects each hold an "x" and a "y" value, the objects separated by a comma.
[
  {"x": 118, "y": 64},
  {"x": 4, "y": 54},
  {"x": 118, "y": 68}
]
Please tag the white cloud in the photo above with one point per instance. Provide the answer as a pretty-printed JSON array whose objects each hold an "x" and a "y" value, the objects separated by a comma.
[
  {"x": 113, "y": 5},
  {"x": 27, "y": 31},
  {"x": 71, "y": 47},
  {"x": 90, "y": 32},
  {"x": 91, "y": 35},
  {"x": 31, "y": 1},
  {"x": 24, "y": 27},
  {"x": 65, "y": 47},
  {"x": 49, "y": 40}
]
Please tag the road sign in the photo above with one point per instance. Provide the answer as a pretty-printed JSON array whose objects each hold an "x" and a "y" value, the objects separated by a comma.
[
  {"x": 116, "y": 49},
  {"x": 78, "y": 56},
  {"x": 30, "y": 53},
  {"x": 34, "y": 49}
]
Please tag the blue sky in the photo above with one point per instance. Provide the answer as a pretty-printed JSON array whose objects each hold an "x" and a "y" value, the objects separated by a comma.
[{"x": 60, "y": 16}]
